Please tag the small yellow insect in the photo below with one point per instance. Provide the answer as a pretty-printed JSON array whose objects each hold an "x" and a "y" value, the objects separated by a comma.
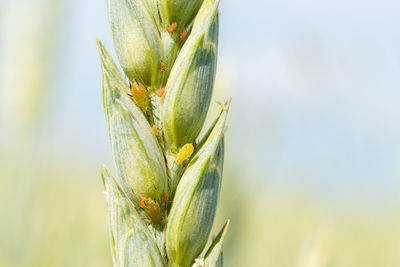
[
  {"x": 139, "y": 93},
  {"x": 155, "y": 130},
  {"x": 185, "y": 152},
  {"x": 172, "y": 27}
]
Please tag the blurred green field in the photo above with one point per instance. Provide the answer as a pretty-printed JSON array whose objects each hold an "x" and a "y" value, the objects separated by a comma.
[{"x": 53, "y": 213}]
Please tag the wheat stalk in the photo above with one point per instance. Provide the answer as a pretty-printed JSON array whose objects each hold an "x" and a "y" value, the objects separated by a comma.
[{"x": 163, "y": 203}]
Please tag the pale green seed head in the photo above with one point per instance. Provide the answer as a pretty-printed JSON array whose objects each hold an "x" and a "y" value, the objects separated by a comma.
[
  {"x": 171, "y": 44},
  {"x": 136, "y": 151},
  {"x": 196, "y": 199},
  {"x": 190, "y": 84},
  {"x": 136, "y": 40}
]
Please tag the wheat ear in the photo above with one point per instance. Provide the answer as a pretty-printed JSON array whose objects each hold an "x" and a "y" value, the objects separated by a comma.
[{"x": 162, "y": 203}]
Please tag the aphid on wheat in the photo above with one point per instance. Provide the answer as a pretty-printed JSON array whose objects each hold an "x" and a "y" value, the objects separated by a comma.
[
  {"x": 153, "y": 210},
  {"x": 155, "y": 130},
  {"x": 172, "y": 27},
  {"x": 143, "y": 203},
  {"x": 162, "y": 92},
  {"x": 185, "y": 152},
  {"x": 163, "y": 66},
  {"x": 183, "y": 35},
  {"x": 139, "y": 93}
]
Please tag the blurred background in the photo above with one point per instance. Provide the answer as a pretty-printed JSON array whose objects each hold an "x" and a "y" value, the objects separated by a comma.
[{"x": 312, "y": 151}]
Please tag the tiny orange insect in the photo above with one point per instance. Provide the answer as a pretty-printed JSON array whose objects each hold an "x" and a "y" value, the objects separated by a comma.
[
  {"x": 163, "y": 66},
  {"x": 155, "y": 130},
  {"x": 183, "y": 34},
  {"x": 172, "y": 27},
  {"x": 143, "y": 203},
  {"x": 162, "y": 92},
  {"x": 166, "y": 198}
]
